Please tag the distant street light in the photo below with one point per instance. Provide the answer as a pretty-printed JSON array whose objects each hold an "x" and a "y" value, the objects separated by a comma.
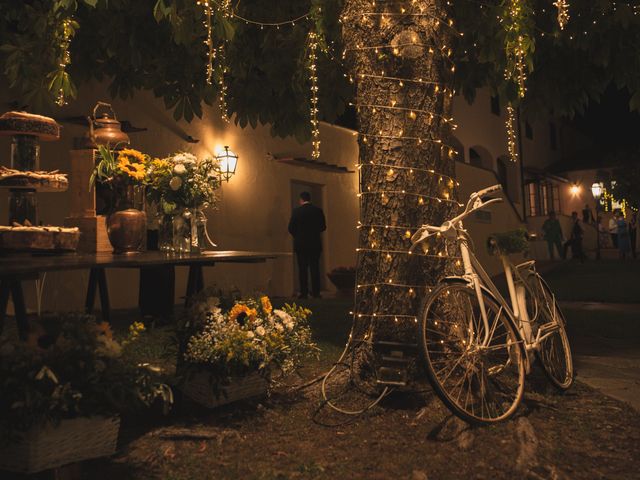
[{"x": 596, "y": 190}]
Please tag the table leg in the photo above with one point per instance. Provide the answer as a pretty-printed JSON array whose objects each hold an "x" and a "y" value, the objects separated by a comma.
[
  {"x": 20, "y": 309},
  {"x": 5, "y": 291},
  {"x": 195, "y": 282},
  {"x": 104, "y": 295},
  {"x": 98, "y": 282},
  {"x": 91, "y": 291}
]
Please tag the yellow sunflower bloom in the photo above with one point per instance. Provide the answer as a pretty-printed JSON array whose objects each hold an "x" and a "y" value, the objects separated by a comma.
[
  {"x": 133, "y": 155},
  {"x": 266, "y": 304},
  {"x": 239, "y": 309}
]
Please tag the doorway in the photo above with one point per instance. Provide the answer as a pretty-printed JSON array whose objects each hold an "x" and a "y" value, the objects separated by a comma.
[{"x": 317, "y": 198}]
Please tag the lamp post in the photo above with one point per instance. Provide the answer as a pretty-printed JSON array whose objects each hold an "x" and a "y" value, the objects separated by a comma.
[
  {"x": 228, "y": 162},
  {"x": 596, "y": 190}
]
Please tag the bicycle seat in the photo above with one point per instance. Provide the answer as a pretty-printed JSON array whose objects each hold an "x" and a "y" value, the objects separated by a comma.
[{"x": 505, "y": 243}]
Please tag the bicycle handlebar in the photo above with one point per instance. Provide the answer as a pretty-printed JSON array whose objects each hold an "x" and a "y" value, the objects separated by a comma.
[
  {"x": 485, "y": 191},
  {"x": 475, "y": 203}
]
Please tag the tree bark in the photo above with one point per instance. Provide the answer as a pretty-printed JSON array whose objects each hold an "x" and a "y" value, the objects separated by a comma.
[{"x": 403, "y": 100}]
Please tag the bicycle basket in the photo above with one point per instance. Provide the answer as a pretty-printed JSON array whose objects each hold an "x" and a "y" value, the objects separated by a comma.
[{"x": 505, "y": 243}]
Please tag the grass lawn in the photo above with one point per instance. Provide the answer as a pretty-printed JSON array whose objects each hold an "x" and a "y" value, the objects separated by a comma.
[{"x": 596, "y": 281}]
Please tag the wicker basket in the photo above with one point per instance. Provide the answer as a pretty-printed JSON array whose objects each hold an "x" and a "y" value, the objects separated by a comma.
[
  {"x": 199, "y": 388},
  {"x": 50, "y": 446}
]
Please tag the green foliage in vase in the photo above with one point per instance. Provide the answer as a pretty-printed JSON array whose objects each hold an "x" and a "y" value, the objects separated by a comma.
[{"x": 70, "y": 366}]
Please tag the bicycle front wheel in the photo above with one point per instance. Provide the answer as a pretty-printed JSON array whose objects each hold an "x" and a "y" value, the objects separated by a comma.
[
  {"x": 476, "y": 368},
  {"x": 553, "y": 349}
]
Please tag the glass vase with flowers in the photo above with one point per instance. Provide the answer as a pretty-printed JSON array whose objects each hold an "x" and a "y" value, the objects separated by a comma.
[{"x": 181, "y": 186}]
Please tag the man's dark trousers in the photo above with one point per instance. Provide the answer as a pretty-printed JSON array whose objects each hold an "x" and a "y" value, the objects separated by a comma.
[{"x": 309, "y": 261}]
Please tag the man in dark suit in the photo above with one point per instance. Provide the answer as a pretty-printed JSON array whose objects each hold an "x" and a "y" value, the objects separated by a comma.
[{"x": 306, "y": 224}]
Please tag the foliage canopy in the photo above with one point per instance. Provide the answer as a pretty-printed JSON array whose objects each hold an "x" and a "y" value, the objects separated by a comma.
[{"x": 158, "y": 45}]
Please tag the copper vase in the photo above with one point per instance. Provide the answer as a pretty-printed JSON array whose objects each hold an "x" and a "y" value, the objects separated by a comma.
[{"x": 127, "y": 230}]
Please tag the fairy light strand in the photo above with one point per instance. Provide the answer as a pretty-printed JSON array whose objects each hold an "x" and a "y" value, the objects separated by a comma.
[
  {"x": 512, "y": 136},
  {"x": 563, "y": 12},
  {"x": 313, "y": 79},
  {"x": 66, "y": 32}
]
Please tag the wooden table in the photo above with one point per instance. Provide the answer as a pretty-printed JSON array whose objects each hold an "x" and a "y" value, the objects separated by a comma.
[{"x": 16, "y": 268}]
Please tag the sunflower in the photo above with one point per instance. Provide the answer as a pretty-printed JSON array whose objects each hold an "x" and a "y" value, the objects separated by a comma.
[
  {"x": 240, "y": 313},
  {"x": 134, "y": 170},
  {"x": 266, "y": 304},
  {"x": 132, "y": 155}
]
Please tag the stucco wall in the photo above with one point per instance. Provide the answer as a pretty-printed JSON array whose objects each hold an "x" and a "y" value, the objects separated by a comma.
[{"x": 255, "y": 205}]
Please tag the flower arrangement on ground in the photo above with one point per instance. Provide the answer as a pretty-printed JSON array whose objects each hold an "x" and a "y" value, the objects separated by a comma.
[
  {"x": 69, "y": 367},
  {"x": 249, "y": 336},
  {"x": 182, "y": 181}
]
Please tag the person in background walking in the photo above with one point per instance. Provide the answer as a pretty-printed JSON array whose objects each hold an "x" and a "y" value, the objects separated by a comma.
[
  {"x": 575, "y": 241},
  {"x": 552, "y": 233},
  {"x": 613, "y": 229},
  {"x": 624, "y": 242},
  {"x": 306, "y": 224},
  {"x": 587, "y": 215},
  {"x": 633, "y": 229}
]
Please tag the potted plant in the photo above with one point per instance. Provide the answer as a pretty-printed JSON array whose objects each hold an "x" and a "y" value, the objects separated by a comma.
[
  {"x": 62, "y": 393},
  {"x": 344, "y": 279},
  {"x": 230, "y": 349},
  {"x": 181, "y": 186},
  {"x": 123, "y": 173}
]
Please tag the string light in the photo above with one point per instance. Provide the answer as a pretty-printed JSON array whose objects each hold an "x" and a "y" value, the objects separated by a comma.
[
  {"x": 66, "y": 33},
  {"x": 511, "y": 133},
  {"x": 313, "y": 79},
  {"x": 563, "y": 12},
  {"x": 208, "y": 41}
]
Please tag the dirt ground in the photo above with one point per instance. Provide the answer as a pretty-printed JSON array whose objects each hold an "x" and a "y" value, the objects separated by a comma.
[{"x": 581, "y": 434}]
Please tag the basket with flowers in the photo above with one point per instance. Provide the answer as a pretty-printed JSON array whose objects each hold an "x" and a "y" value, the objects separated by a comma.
[
  {"x": 229, "y": 349},
  {"x": 63, "y": 391},
  {"x": 181, "y": 186}
]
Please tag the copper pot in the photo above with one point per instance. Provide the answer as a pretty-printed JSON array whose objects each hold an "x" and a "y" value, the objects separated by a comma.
[
  {"x": 104, "y": 129},
  {"x": 127, "y": 230}
]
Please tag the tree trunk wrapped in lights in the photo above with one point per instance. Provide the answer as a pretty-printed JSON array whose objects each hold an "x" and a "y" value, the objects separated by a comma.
[{"x": 398, "y": 56}]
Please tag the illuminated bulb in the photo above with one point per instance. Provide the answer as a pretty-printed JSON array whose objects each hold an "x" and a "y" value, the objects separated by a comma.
[{"x": 412, "y": 115}]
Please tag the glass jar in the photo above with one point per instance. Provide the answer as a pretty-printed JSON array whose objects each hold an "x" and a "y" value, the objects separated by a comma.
[
  {"x": 165, "y": 232},
  {"x": 23, "y": 207},
  {"x": 182, "y": 226},
  {"x": 25, "y": 153}
]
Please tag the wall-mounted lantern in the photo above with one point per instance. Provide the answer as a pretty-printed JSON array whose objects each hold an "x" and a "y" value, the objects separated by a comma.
[{"x": 228, "y": 162}]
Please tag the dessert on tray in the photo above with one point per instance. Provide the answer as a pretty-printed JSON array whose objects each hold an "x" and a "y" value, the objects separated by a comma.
[
  {"x": 23, "y": 123},
  {"x": 29, "y": 238},
  {"x": 38, "y": 180}
]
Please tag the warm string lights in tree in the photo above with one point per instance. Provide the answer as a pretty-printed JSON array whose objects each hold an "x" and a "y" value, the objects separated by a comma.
[
  {"x": 518, "y": 24},
  {"x": 65, "y": 35},
  {"x": 512, "y": 135},
  {"x": 563, "y": 12},
  {"x": 208, "y": 41},
  {"x": 313, "y": 80}
]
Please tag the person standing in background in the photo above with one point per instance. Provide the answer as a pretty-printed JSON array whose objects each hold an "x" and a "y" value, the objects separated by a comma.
[
  {"x": 613, "y": 229},
  {"x": 587, "y": 215},
  {"x": 306, "y": 224},
  {"x": 633, "y": 229},
  {"x": 552, "y": 233},
  {"x": 624, "y": 242}
]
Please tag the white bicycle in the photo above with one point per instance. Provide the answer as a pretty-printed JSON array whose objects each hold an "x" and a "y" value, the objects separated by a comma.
[{"x": 478, "y": 347}]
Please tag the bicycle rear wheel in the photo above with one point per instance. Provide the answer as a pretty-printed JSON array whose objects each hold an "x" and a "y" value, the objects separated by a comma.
[
  {"x": 478, "y": 373},
  {"x": 553, "y": 350}
]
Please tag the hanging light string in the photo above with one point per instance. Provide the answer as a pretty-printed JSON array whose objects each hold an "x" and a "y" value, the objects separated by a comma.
[
  {"x": 412, "y": 111},
  {"x": 66, "y": 32},
  {"x": 563, "y": 12},
  {"x": 208, "y": 41},
  {"x": 512, "y": 136},
  {"x": 450, "y": 180},
  {"x": 226, "y": 12},
  {"x": 313, "y": 80}
]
